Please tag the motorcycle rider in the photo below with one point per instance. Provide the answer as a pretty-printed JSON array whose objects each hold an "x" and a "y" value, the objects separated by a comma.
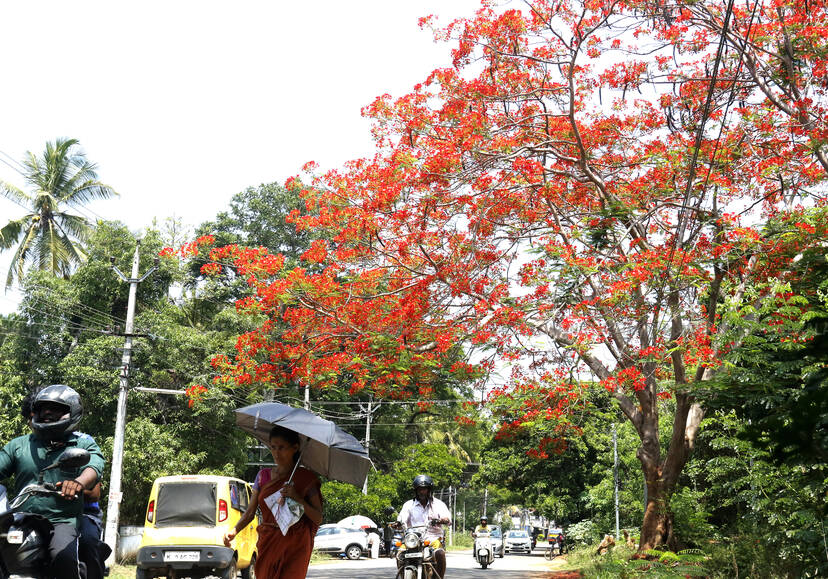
[
  {"x": 56, "y": 411},
  {"x": 483, "y": 526},
  {"x": 426, "y": 510}
]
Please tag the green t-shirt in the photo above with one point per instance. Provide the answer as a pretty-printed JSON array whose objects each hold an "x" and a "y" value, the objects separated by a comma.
[{"x": 25, "y": 456}]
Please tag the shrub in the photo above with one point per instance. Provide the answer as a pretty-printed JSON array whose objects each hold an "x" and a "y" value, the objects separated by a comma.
[{"x": 582, "y": 533}]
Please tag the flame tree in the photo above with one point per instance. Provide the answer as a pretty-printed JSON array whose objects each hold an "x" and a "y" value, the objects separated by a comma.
[{"x": 593, "y": 194}]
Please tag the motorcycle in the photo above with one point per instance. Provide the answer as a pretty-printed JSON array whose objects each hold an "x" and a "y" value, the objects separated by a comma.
[
  {"x": 24, "y": 537},
  {"x": 415, "y": 558},
  {"x": 483, "y": 551}
]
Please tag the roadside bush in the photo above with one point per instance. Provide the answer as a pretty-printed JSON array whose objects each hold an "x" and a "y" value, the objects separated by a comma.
[
  {"x": 582, "y": 533},
  {"x": 462, "y": 541},
  {"x": 748, "y": 555},
  {"x": 618, "y": 563},
  {"x": 691, "y": 519}
]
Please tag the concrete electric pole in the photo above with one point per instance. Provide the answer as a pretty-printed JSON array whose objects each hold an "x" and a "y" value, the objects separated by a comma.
[
  {"x": 115, "y": 494},
  {"x": 615, "y": 480}
]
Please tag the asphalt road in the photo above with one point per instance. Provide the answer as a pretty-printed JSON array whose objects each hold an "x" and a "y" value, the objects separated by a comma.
[{"x": 460, "y": 565}]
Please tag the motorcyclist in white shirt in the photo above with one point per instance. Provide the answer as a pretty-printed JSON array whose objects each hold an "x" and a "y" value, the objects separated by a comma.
[{"x": 425, "y": 510}]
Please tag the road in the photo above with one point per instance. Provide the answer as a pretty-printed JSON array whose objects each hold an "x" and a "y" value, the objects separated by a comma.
[{"x": 460, "y": 565}]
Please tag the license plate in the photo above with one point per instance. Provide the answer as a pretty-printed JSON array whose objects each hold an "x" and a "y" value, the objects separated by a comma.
[
  {"x": 187, "y": 556},
  {"x": 412, "y": 555},
  {"x": 14, "y": 537}
]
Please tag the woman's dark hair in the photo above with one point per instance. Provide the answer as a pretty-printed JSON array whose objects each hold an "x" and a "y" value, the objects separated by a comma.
[{"x": 288, "y": 436}]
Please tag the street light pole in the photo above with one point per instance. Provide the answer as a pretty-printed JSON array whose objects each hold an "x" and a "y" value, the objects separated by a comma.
[{"x": 115, "y": 494}]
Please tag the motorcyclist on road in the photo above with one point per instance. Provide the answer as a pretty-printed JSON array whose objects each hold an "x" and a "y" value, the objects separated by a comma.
[
  {"x": 56, "y": 411},
  {"x": 483, "y": 526},
  {"x": 425, "y": 510}
]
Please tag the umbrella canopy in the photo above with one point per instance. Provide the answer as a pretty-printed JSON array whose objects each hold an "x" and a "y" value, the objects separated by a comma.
[
  {"x": 327, "y": 449},
  {"x": 357, "y": 522}
]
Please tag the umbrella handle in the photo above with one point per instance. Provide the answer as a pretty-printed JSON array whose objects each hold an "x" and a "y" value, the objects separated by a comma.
[{"x": 295, "y": 466}]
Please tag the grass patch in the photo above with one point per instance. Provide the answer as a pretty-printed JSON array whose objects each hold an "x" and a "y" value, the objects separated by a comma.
[
  {"x": 618, "y": 563},
  {"x": 122, "y": 572}
]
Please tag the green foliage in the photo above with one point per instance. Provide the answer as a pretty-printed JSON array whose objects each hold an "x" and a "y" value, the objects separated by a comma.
[
  {"x": 620, "y": 562},
  {"x": 257, "y": 217},
  {"x": 691, "y": 519},
  {"x": 392, "y": 489},
  {"x": 48, "y": 236},
  {"x": 150, "y": 451},
  {"x": 582, "y": 533},
  {"x": 431, "y": 459},
  {"x": 769, "y": 518},
  {"x": 577, "y": 484},
  {"x": 341, "y": 500}
]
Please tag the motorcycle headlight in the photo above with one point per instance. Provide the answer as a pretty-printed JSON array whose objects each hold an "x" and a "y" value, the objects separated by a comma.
[{"x": 411, "y": 541}]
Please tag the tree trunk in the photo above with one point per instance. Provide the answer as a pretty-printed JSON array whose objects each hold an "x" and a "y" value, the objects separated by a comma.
[
  {"x": 657, "y": 527},
  {"x": 662, "y": 477}
]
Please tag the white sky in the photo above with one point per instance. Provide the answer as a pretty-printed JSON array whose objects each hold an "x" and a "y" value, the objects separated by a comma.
[{"x": 183, "y": 103}]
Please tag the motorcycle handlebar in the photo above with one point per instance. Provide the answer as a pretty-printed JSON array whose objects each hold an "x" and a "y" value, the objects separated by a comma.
[{"x": 23, "y": 495}]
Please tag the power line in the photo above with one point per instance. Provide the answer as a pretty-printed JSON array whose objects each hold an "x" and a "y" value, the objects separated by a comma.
[{"x": 16, "y": 166}]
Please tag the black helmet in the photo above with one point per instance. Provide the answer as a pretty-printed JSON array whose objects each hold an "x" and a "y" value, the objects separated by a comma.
[
  {"x": 422, "y": 480},
  {"x": 57, "y": 394},
  {"x": 389, "y": 510}
]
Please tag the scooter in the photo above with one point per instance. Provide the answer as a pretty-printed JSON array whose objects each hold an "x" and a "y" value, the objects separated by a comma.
[
  {"x": 24, "y": 537},
  {"x": 483, "y": 551}
]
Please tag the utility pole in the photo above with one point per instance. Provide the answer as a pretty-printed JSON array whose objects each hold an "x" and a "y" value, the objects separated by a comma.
[
  {"x": 367, "y": 440},
  {"x": 453, "y": 496},
  {"x": 115, "y": 494},
  {"x": 615, "y": 478}
]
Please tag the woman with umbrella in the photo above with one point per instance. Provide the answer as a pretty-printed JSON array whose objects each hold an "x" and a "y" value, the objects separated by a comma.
[{"x": 284, "y": 546}]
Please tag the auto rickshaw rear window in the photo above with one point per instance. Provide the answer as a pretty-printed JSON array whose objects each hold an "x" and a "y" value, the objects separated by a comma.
[{"x": 187, "y": 504}]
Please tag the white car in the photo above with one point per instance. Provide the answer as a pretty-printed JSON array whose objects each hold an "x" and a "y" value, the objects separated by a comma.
[
  {"x": 517, "y": 542},
  {"x": 335, "y": 540}
]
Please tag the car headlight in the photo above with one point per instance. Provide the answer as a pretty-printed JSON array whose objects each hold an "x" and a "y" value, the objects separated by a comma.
[{"x": 411, "y": 541}]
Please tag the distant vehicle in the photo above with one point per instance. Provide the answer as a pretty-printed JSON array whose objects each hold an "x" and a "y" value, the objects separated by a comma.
[
  {"x": 336, "y": 540},
  {"x": 518, "y": 542},
  {"x": 497, "y": 541},
  {"x": 187, "y": 517}
]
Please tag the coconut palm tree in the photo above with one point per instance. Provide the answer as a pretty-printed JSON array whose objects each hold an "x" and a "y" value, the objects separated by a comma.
[{"x": 48, "y": 236}]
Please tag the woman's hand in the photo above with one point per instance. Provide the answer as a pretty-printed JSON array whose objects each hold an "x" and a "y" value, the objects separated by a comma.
[
  {"x": 229, "y": 536},
  {"x": 289, "y": 491}
]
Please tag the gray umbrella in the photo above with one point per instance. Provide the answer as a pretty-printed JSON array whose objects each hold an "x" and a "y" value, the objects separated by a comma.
[{"x": 327, "y": 449}]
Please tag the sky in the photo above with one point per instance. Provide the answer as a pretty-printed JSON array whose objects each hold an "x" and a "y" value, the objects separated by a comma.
[{"x": 184, "y": 103}]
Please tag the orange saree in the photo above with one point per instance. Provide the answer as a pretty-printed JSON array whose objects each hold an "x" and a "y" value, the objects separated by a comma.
[{"x": 286, "y": 556}]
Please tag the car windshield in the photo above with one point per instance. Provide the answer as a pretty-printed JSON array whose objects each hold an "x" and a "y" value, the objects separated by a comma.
[
  {"x": 518, "y": 535},
  {"x": 495, "y": 532},
  {"x": 186, "y": 504}
]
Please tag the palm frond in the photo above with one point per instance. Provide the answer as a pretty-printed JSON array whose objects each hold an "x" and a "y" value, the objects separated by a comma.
[
  {"x": 74, "y": 225},
  {"x": 21, "y": 255},
  {"x": 12, "y": 230},
  {"x": 9, "y": 191},
  {"x": 89, "y": 191},
  {"x": 57, "y": 252}
]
